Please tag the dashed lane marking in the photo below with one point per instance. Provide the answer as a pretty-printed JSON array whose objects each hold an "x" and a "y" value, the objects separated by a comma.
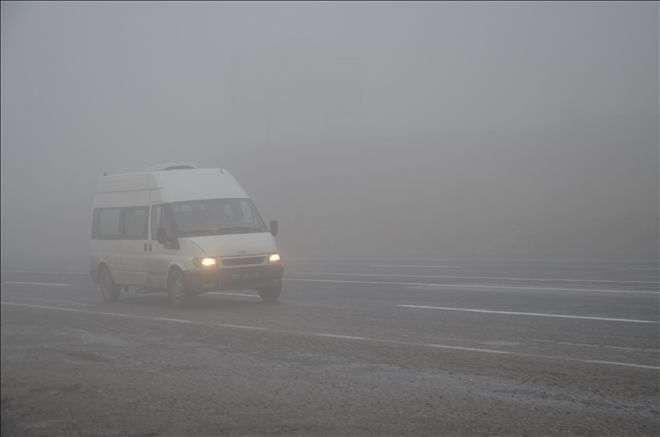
[
  {"x": 623, "y": 348},
  {"x": 345, "y": 337},
  {"x": 224, "y": 293},
  {"x": 614, "y": 363},
  {"x": 409, "y": 265},
  {"x": 502, "y": 278},
  {"x": 472, "y": 349},
  {"x": 484, "y": 287},
  {"x": 50, "y": 284},
  {"x": 373, "y": 340},
  {"x": 517, "y": 313}
]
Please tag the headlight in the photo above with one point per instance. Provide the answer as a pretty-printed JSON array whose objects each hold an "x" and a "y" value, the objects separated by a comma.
[
  {"x": 274, "y": 258},
  {"x": 205, "y": 262}
]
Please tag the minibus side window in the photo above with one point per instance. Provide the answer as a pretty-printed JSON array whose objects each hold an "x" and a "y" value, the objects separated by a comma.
[
  {"x": 160, "y": 219},
  {"x": 135, "y": 223},
  {"x": 105, "y": 225}
]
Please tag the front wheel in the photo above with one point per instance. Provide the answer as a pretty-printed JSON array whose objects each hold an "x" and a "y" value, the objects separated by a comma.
[
  {"x": 109, "y": 290},
  {"x": 177, "y": 289},
  {"x": 271, "y": 294}
]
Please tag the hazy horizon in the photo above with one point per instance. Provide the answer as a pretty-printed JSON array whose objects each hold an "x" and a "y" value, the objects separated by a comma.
[{"x": 369, "y": 130}]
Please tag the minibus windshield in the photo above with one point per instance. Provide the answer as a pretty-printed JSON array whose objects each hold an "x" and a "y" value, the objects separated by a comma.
[{"x": 215, "y": 217}]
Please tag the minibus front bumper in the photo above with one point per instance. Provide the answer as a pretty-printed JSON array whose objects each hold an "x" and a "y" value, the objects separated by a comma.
[{"x": 258, "y": 277}]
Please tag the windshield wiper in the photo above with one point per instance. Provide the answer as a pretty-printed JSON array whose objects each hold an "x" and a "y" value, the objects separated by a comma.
[
  {"x": 237, "y": 230},
  {"x": 222, "y": 231},
  {"x": 198, "y": 232}
]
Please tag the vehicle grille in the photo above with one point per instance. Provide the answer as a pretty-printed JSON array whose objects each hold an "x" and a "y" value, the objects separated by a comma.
[{"x": 243, "y": 261}]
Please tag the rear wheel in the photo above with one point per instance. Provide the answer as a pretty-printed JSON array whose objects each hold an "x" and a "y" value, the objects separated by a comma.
[
  {"x": 271, "y": 294},
  {"x": 109, "y": 290},
  {"x": 177, "y": 289}
]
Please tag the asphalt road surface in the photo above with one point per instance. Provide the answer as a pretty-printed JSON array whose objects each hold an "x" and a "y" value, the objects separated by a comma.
[{"x": 396, "y": 347}]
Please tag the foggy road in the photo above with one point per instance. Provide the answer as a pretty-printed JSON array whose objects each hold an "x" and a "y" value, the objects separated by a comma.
[
  {"x": 354, "y": 348},
  {"x": 462, "y": 198}
]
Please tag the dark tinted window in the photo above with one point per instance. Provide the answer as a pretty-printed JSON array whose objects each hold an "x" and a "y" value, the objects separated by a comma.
[
  {"x": 106, "y": 223},
  {"x": 135, "y": 223}
]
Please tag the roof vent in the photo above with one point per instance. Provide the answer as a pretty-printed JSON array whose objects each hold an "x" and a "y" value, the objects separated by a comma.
[{"x": 172, "y": 166}]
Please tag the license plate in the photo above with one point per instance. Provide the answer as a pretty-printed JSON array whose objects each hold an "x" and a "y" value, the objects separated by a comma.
[{"x": 238, "y": 276}]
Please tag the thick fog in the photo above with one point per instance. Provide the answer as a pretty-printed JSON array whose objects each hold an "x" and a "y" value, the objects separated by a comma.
[{"x": 391, "y": 130}]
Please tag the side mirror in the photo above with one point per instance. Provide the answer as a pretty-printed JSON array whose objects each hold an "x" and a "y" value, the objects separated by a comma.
[
  {"x": 161, "y": 235},
  {"x": 273, "y": 227}
]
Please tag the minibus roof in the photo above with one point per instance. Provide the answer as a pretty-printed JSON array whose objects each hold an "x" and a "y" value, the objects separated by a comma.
[{"x": 175, "y": 185}]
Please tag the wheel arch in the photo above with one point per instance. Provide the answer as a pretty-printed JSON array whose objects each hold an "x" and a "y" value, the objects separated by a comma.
[
  {"x": 99, "y": 268},
  {"x": 173, "y": 265}
]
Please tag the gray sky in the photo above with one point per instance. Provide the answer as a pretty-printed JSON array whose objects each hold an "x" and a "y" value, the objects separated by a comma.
[{"x": 368, "y": 129}]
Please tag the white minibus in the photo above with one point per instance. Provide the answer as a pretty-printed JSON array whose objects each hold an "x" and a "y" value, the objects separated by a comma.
[{"x": 181, "y": 229}]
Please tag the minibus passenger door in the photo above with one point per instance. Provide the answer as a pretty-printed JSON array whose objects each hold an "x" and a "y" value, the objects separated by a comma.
[
  {"x": 134, "y": 245},
  {"x": 160, "y": 253}
]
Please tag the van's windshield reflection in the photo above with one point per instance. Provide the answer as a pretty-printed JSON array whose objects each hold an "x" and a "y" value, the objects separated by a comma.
[{"x": 215, "y": 217}]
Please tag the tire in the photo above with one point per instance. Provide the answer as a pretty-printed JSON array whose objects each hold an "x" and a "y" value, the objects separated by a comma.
[
  {"x": 109, "y": 290},
  {"x": 177, "y": 289},
  {"x": 271, "y": 294}
]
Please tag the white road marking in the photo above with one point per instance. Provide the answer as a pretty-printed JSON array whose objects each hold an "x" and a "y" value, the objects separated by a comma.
[
  {"x": 403, "y": 275},
  {"x": 127, "y": 316},
  {"x": 283, "y": 331},
  {"x": 472, "y": 349},
  {"x": 499, "y": 287},
  {"x": 167, "y": 319},
  {"x": 614, "y": 363},
  {"x": 221, "y": 293},
  {"x": 341, "y": 281},
  {"x": 46, "y": 272},
  {"x": 52, "y": 300},
  {"x": 409, "y": 265},
  {"x": 597, "y": 345},
  {"x": 504, "y": 287},
  {"x": 46, "y": 307},
  {"x": 655, "y": 269},
  {"x": 346, "y": 337},
  {"x": 516, "y": 313},
  {"x": 501, "y": 343},
  {"x": 226, "y": 325},
  {"x": 51, "y": 284}
]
